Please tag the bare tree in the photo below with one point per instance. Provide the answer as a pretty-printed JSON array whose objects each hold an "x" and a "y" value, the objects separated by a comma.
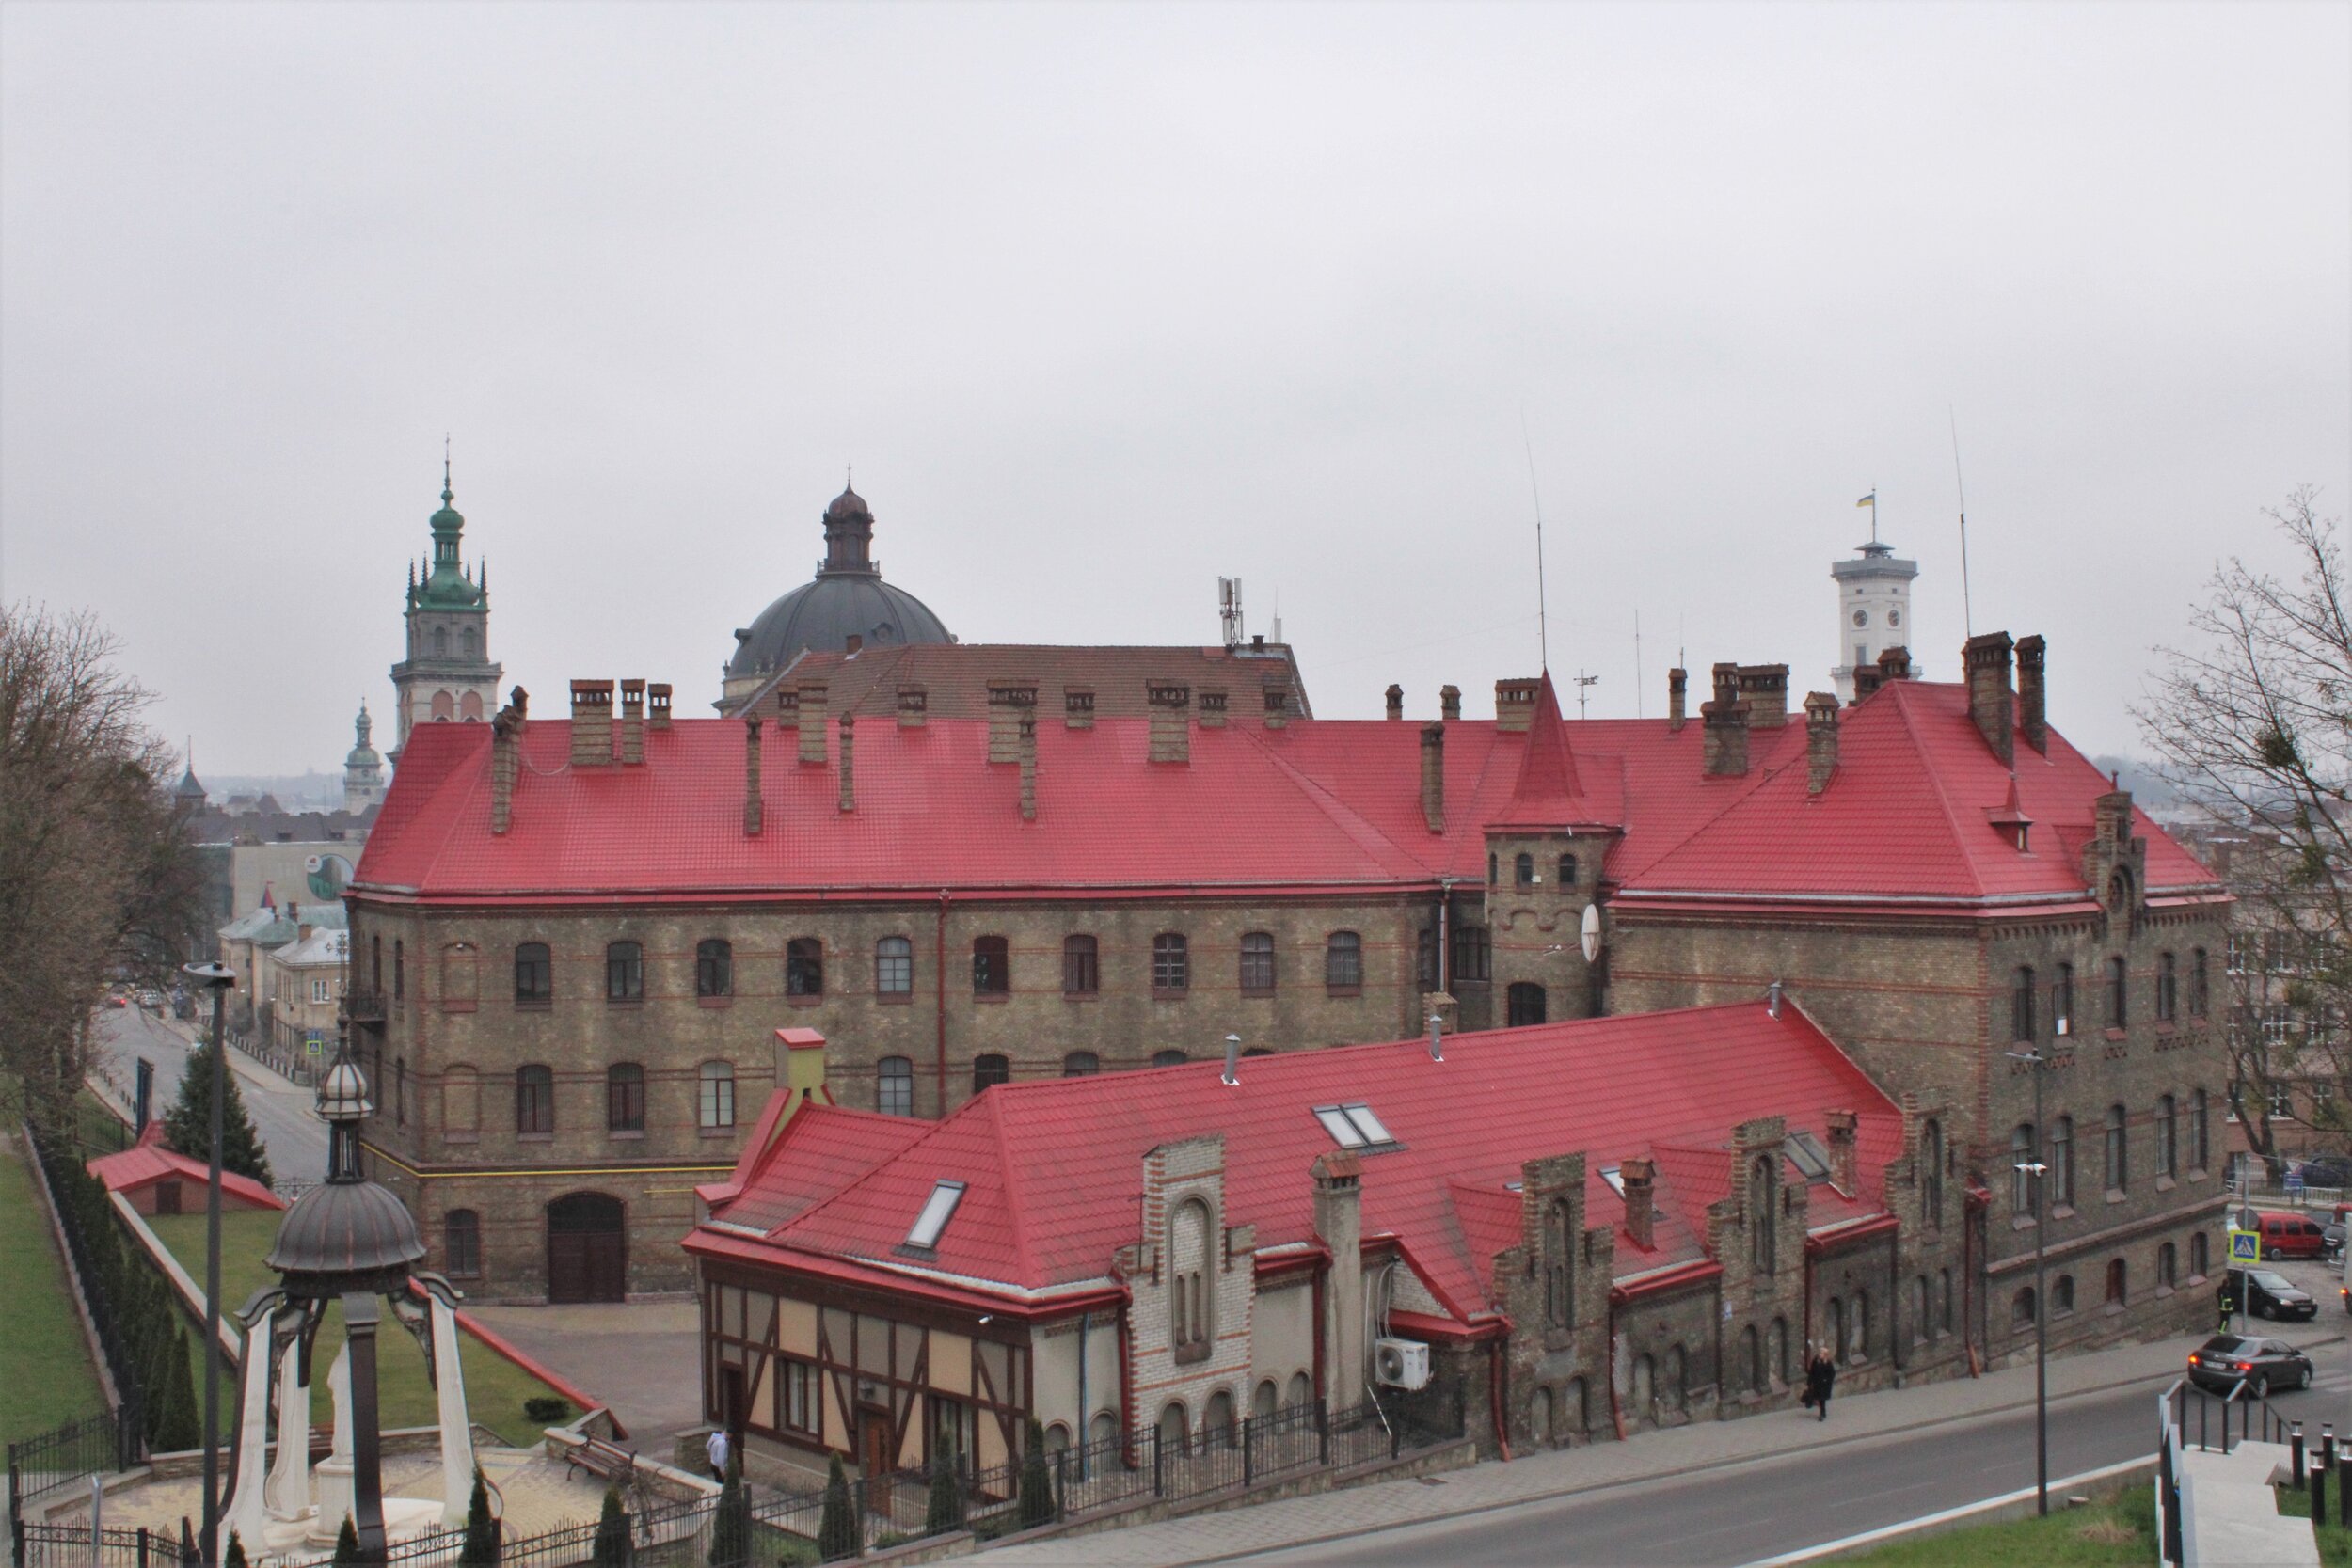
[
  {"x": 96, "y": 876},
  {"x": 2255, "y": 724}
]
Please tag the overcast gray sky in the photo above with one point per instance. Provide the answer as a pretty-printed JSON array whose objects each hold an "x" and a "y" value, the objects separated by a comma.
[{"x": 1105, "y": 301}]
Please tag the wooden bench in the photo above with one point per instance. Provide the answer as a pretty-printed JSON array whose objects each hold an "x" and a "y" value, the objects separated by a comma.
[{"x": 603, "y": 1460}]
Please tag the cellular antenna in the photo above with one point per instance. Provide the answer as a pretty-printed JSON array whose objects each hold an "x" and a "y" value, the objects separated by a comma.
[
  {"x": 1543, "y": 641},
  {"x": 1967, "y": 613}
]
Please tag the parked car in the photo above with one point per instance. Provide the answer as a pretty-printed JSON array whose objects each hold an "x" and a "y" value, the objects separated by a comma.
[
  {"x": 2226, "y": 1360},
  {"x": 2327, "y": 1170},
  {"x": 2266, "y": 1293},
  {"x": 2290, "y": 1235}
]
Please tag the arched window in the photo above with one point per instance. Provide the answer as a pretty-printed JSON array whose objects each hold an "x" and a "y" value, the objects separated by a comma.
[
  {"x": 2198, "y": 1257},
  {"x": 1776, "y": 1351},
  {"x": 461, "y": 1243},
  {"x": 2062, "y": 1000},
  {"x": 714, "y": 967},
  {"x": 444, "y": 707},
  {"x": 894, "y": 968},
  {"x": 988, "y": 1069},
  {"x": 1057, "y": 1437},
  {"x": 535, "y": 1101},
  {"x": 461, "y": 1103},
  {"x": 470, "y": 708},
  {"x": 1944, "y": 1301},
  {"x": 624, "y": 971},
  {"x": 1081, "y": 1064},
  {"x": 1858, "y": 1340},
  {"x": 2116, "y": 1292},
  {"x": 2021, "y": 1309},
  {"x": 459, "y": 983},
  {"x": 2118, "y": 1172},
  {"x": 1763, "y": 1213},
  {"x": 2021, "y": 1005},
  {"x": 2061, "y": 1295},
  {"x": 2200, "y": 985},
  {"x": 1101, "y": 1430},
  {"x": 1524, "y": 1003},
  {"x": 1539, "y": 1418},
  {"x": 2199, "y": 1149},
  {"x": 2118, "y": 992},
  {"x": 1216, "y": 1421},
  {"x": 1674, "y": 1384},
  {"x": 1644, "y": 1388},
  {"x": 1171, "y": 967},
  {"x": 1344, "y": 963},
  {"x": 2062, "y": 1163},
  {"x": 441, "y": 645},
  {"x": 1573, "y": 1413},
  {"x": 894, "y": 1087},
  {"x": 399, "y": 971},
  {"x": 1922, "y": 1323},
  {"x": 714, "y": 1099},
  {"x": 991, "y": 966},
  {"x": 1523, "y": 870},
  {"x": 1170, "y": 1057},
  {"x": 1567, "y": 871},
  {"x": 625, "y": 1098},
  {"x": 2020, "y": 1176},
  {"x": 400, "y": 1091},
  {"x": 534, "y": 974},
  {"x": 1257, "y": 964},
  {"x": 1188, "y": 1299},
  {"x": 376, "y": 967},
  {"x": 1302, "y": 1390},
  {"x": 1081, "y": 972},
  {"x": 470, "y": 641},
  {"x": 1490, "y": 868},
  {"x": 2168, "y": 988},
  {"x": 1559, "y": 1254},
  {"x": 1265, "y": 1401},
  {"x": 1931, "y": 1174},
  {"x": 1752, "y": 1358},
  {"x": 2168, "y": 1138},
  {"x": 2168, "y": 1261},
  {"x": 1175, "y": 1428},
  {"x": 804, "y": 965}
]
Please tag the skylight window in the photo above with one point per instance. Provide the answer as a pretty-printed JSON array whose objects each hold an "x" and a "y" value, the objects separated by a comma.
[
  {"x": 1354, "y": 1126},
  {"x": 937, "y": 1211},
  {"x": 1805, "y": 1152},
  {"x": 1616, "y": 1179}
]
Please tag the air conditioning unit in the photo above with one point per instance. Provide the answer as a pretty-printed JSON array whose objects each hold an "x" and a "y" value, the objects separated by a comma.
[{"x": 1399, "y": 1363}]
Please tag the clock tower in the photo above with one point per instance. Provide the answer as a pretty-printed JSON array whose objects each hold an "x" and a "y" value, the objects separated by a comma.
[{"x": 1873, "y": 610}]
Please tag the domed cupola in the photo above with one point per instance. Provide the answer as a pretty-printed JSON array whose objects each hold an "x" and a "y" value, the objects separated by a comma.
[{"x": 847, "y": 598}]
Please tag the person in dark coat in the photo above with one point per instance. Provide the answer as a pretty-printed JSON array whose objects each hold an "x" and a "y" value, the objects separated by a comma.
[{"x": 1820, "y": 1377}]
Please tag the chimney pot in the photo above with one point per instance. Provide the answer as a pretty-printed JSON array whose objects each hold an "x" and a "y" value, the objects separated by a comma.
[
  {"x": 1278, "y": 706},
  {"x": 1991, "y": 704},
  {"x": 1641, "y": 1194},
  {"x": 592, "y": 724},
  {"x": 1433, "y": 776},
  {"x": 811, "y": 706},
  {"x": 1515, "y": 704},
  {"x": 750, "y": 775},
  {"x": 657, "y": 697},
  {"x": 852, "y": 644},
  {"x": 632, "y": 722},
  {"x": 506, "y": 736},
  {"x": 1232, "y": 1060},
  {"x": 1449, "y": 702},
  {"x": 1895, "y": 665},
  {"x": 1820, "y": 740},
  {"x": 1026, "y": 745},
  {"x": 1170, "y": 706},
  {"x": 1396, "y": 701},
  {"x": 1077, "y": 707},
  {"x": 1725, "y": 722},
  {"x": 1257, "y": 643},
  {"x": 914, "y": 705},
  {"x": 1677, "y": 682},
  {"x": 2032, "y": 717},
  {"x": 849, "y": 762},
  {"x": 1841, "y": 1150},
  {"x": 1212, "y": 708},
  {"x": 1008, "y": 702},
  {"x": 1765, "y": 688}
]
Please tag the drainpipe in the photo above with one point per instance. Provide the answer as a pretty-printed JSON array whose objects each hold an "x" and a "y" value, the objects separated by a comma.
[
  {"x": 1968, "y": 1287},
  {"x": 1445, "y": 955},
  {"x": 1895, "y": 1300},
  {"x": 939, "y": 967},
  {"x": 1320, "y": 1393},
  {"x": 1126, "y": 1390},
  {"x": 1616, "y": 1411},
  {"x": 1086, "y": 1412},
  {"x": 1495, "y": 1392}
]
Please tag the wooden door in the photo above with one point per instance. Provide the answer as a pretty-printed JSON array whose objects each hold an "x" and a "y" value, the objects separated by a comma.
[
  {"x": 587, "y": 1248},
  {"x": 878, "y": 1456}
]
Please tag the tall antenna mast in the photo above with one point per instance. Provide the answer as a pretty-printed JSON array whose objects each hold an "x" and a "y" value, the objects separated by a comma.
[
  {"x": 1967, "y": 611},
  {"x": 1637, "y": 663},
  {"x": 1543, "y": 637}
]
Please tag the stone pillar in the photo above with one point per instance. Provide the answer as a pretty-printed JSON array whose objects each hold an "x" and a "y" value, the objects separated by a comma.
[
  {"x": 290, "y": 1478},
  {"x": 248, "y": 1511},
  {"x": 449, "y": 1380},
  {"x": 1339, "y": 1220},
  {"x": 334, "y": 1471}
]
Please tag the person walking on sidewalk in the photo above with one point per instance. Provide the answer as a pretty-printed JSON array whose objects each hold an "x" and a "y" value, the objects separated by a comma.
[
  {"x": 717, "y": 1450},
  {"x": 1820, "y": 1376}
]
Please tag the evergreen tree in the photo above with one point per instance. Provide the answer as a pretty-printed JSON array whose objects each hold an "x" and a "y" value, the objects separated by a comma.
[
  {"x": 179, "y": 1422},
  {"x": 481, "y": 1549},
  {"x": 1037, "y": 1482},
  {"x": 347, "y": 1546},
  {"x": 837, "y": 1532},
  {"x": 234, "y": 1557},
  {"x": 188, "y": 1125},
  {"x": 731, "y": 1530},
  {"x": 612, "y": 1544},
  {"x": 946, "y": 1510}
]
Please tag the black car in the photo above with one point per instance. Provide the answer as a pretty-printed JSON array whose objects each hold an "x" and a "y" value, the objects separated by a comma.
[
  {"x": 2226, "y": 1360},
  {"x": 2327, "y": 1170},
  {"x": 2267, "y": 1293}
]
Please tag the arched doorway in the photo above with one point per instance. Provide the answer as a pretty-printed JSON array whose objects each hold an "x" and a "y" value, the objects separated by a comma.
[{"x": 587, "y": 1248}]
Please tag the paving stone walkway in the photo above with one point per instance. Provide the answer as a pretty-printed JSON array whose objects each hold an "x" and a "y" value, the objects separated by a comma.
[{"x": 641, "y": 1359}]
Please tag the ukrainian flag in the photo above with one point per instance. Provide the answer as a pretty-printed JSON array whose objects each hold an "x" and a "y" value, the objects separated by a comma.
[{"x": 1870, "y": 500}]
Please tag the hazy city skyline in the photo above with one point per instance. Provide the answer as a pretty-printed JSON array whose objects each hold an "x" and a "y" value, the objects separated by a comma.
[{"x": 1104, "y": 304}]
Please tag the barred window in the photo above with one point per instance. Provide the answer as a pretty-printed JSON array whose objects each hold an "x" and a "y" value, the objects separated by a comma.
[
  {"x": 461, "y": 1243},
  {"x": 894, "y": 967},
  {"x": 534, "y": 973},
  {"x": 1343, "y": 962},
  {"x": 715, "y": 1105},
  {"x": 2021, "y": 1009},
  {"x": 991, "y": 966},
  {"x": 1257, "y": 963},
  {"x": 2118, "y": 1173},
  {"x": 804, "y": 965},
  {"x": 988, "y": 1069},
  {"x": 1081, "y": 1064},
  {"x": 1081, "y": 968},
  {"x": 894, "y": 1087},
  {"x": 535, "y": 1100},
  {"x": 1170, "y": 963},
  {"x": 714, "y": 967},
  {"x": 625, "y": 1098},
  {"x": 624, "y": 971},
  {"x": 1470, "y": 952}
]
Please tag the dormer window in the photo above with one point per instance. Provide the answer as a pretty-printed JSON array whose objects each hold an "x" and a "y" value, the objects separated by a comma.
[
  {"x": 1808, "y": 1154},
  {"x": 1355, "y": 1126},
  {"x": 937, "y": 1211}
]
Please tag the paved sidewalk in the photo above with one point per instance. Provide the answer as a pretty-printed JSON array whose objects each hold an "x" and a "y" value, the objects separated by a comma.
[
  {"x": 1648, "y": 1456},
  {"x": 643, "y": 1359}
]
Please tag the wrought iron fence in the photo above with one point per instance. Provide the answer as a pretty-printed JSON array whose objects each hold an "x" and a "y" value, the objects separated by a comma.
[{"x": 72, "y": 1546}]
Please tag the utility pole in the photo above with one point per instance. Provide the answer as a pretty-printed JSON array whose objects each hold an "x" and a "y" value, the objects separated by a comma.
[
  {"x": 2035, "y": 1169},
  {"x": 218, "y": 977}
]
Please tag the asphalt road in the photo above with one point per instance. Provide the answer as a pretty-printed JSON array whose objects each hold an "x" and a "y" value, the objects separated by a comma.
[
  {"x": 290, "y": 1130},
  {"x": 1762, "y": 1508}
]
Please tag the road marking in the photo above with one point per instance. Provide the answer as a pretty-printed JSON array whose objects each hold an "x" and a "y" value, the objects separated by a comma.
[{"x": 1909, "y": 1526}]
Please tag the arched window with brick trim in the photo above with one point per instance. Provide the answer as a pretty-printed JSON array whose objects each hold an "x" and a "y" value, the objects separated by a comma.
[
  {"x": 1190, "y": 1305},
  {"x": 1763, "y": 1214},
  {"x": 1559, "y": 1254}
]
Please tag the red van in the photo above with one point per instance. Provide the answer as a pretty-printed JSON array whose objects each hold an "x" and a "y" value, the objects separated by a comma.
[{"x": 2287, "y": 1235}]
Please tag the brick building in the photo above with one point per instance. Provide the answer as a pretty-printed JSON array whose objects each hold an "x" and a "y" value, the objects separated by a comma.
[
  {"x": 573, "y": 940},
  {"x": 1593, "y": 1227}
]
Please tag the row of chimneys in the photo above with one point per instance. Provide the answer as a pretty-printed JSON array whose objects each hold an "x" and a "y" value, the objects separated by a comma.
[
  {"x": 591, "y": 720},
  {"x": 1638, "y": 1177}
]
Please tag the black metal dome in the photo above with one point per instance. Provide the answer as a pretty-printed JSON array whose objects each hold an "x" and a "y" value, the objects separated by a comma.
[
  {"x": 847, "y": 599},
  {"x": 345, "y": 1236}
]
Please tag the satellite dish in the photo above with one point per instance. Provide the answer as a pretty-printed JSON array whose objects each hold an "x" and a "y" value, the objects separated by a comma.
[{"x": 1592, "y": 932}]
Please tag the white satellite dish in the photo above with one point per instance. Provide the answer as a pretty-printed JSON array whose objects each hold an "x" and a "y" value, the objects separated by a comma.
[{"x": 1592, "y": 932}]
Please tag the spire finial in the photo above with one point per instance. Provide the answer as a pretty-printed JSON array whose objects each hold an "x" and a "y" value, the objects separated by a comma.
[{"x": 446, "y": 494}]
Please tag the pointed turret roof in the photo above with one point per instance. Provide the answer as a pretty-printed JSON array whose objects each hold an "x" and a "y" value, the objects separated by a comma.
[{"x": 1549, "y": 792}]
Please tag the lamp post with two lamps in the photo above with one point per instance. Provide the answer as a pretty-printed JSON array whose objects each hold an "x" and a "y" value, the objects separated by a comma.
[{"x": 2035, "y": 1169}]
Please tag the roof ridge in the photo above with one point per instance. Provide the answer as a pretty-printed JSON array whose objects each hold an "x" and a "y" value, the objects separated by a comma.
[
  {"x": 1012, "y": 1172},
  {"x": 1337, "y": 813},
  {"x": 880, "y": 1165},
  {"x": 1936, "y": 783}
]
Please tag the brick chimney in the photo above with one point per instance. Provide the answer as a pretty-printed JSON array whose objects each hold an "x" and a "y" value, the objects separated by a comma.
[
  {"x": 2032, "y": 716},
  {"x": 1396, "y": 701},
  {"x": 1841, "y": 1152},
  {"x": 1678, "y": 681},
  {"x": 1641, "y": 1200},
  {"x": 592, "y": 724},
  {"x": 658, "y": 709},
  {"x": 1077, "y": 707},
  {"x": 1990, "y": 701},
  {"x": 812, "y": 721},
  {"x": 1867, "y": 679},
  {"x": 1278, "y": 706},
  {"x": 1820, "y": 740},
  {"x": 1433, "y": 776},
  {"x": 751, "y": 774},
  {"x": 1024, "y": 744},
  {"x": 1008, "y": 702},
  {"x": 1765, "y": 688},
  {"x": 1212, "y": 708},
  {"x": 505, "y": 745},
  {"x": 1449, "y": 702},
  {"x": 1339, "y": 1221},
  {"x": 1726, "y": 725},
  {"x": 1894, "y": 665},
  {"x": 1515, "y": 704},
  {"x": 1171, "y": 721},
  {"x": 788, "y": 708},
  {"x": 915, "y": 705},
  {"x": 849, "y": 762},
  {"x": 632, "y": 722}
]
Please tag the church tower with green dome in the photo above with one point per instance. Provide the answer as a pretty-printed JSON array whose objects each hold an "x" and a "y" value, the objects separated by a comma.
[{"x": 447, "y": 677}]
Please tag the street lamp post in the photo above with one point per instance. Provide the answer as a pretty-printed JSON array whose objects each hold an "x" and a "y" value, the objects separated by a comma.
[
  {"x": 2035, "y": 1169},
  {"x": 219, "y": 978}
]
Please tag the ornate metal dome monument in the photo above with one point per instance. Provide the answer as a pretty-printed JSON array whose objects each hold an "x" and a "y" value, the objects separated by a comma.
[{"x": 349, "y": 1242}]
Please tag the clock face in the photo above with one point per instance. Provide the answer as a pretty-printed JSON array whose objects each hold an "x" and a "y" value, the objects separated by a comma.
[
  {"x": 1894, "y": 617},
  {"x": 1861, "y": 617}
]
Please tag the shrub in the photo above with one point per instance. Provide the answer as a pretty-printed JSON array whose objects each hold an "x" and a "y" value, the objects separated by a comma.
[
  {"x": 177, "y": 1426},
  {"x": 481, "y": 1549},
  {"x": 234, "y": 1557},
  {"x": 612, "y": 1547},
  {"x": 1037, "y": 1482},
  {"x": 547, "y": 1409},
  {"x": 946, "y": 1510},
  {"x": 837, "y": 1532},
  {"x": 731, "y": 1530},
  {"x": 346, "y": 1545}
]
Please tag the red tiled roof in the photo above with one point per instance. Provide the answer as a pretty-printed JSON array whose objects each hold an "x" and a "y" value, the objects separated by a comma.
[
  {"x": 1052, "y": 1168},
  {"x": 148, "y": 1162},
  {"x": 1319, "y": 804}
]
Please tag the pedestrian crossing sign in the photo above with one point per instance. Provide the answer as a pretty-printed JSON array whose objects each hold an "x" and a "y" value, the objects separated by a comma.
[{"x": 2246, "y": 1246}]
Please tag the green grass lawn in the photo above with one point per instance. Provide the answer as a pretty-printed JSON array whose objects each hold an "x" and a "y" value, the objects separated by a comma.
[
  {"x": 2335, "y": 1542},
  {"x": 2117, "y": 1530},
  {"x": 39, "y": 1328},
  {"x": 495, "y": 1387}
]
